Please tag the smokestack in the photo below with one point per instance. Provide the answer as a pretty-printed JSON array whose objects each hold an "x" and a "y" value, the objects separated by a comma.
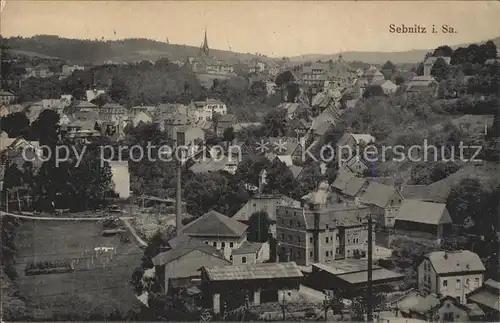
[
  {"x": 178, "y": 200},
  {"x": 316, "y": 233}
]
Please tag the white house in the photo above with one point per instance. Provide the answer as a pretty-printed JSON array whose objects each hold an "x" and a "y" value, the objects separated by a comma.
[
  {"x": 451, "y": 273},
  {"x": 205, "y": 110}
]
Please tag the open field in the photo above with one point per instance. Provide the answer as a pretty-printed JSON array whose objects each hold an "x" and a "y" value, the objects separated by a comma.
[{"x": 98, "y": 285}]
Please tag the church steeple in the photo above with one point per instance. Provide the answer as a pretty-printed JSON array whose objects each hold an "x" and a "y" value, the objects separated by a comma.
[{"x": 204, "y": 48}]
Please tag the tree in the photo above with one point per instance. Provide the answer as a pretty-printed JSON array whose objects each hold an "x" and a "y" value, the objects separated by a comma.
[
  {"x": 389, "y": 66},
  {"x": 439, "y": 69},
  {"x": 284, "y": 78},
  {"x": 275, "y": 123},
  {"x": 490, "y": 50},
  {"x": 373, "y": 91},
  {"x": 118, "y": 90},
  {"x": 475, "y": 207},
  {"x": 443, "y": 51},
  {"x": 279, "y": 179},
  {"x": 229, "y": 135},
  {"x": 399, "y": 80},
  {"x": 15, "y": 124},
  {"x": 258, "y": 227},
  {"x": 45, "y": 128}
]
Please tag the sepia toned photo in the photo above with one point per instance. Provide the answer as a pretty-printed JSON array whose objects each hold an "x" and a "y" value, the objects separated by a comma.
[{"x": 207, "y": 161}]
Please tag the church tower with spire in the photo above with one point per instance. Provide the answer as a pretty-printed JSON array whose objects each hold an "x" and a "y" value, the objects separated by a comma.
[{"x": 205, "y": 50}]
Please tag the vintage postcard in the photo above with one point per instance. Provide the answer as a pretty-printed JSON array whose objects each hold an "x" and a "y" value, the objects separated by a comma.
[{"x": 250, "y": 161}]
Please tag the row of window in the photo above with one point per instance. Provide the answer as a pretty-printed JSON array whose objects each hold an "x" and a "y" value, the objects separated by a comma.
[
  {"x": 222, "y": 244},
  {"x": 290, "y": 223},
  {"x": 458, "y": 283}
]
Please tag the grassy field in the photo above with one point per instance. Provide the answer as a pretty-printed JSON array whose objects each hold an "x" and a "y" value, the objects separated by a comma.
[{"x": 99, "y": 283}]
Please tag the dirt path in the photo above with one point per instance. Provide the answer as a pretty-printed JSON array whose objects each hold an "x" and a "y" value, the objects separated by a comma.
[{"x": 29, "y": 217}]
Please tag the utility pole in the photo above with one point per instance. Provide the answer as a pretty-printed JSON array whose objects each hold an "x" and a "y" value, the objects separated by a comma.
[{"x": 369, "y": 297}]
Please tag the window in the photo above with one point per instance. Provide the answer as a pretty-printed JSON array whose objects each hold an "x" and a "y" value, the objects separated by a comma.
[
  {"x": 282, "y": 236},
  {"x": 476, "y": 282},
  {"x": 215, "y": 244},
  {"x": 310, "y": 254},
  {"x": 298, "y": 239},
  {"x": 206, "y": 242},
  {"x": 467, "y": 281},
  {"x": 298, "y": 253},
  {"x": 223, "y": 245},
  {"x": 457, "y": 284},
  {"x": 337, "y": 251},
  {"x": 326, "y": 253},
  {"x": 243, "y": 260},
  {"x": 311, "y": 240},
  {"x": 327, "y": 239},
  {"x": 291, "y": 223},
  {"x": 445, "y": 283},
  {"x": 231, "y": 257},
  {"x": 298, "y": 224},
  {"x": 231, "y": 244}
]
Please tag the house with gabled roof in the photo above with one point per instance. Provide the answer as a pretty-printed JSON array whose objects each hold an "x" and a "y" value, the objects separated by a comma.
[
  {"x": 384, "y": 202},
  {"x": 220, "y": 231},
  {"x": 179, "y": 267},
  {"x": 487, "y": 297},
  {"x": 225, "y": 122},
  {"x": 425, "y": 218},
  {"x": 348, "y": 186},
  {"x": 450, "y": 273}
]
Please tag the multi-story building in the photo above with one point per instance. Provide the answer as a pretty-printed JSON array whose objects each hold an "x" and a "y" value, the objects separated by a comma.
[
  {"x": 205, "y": 110},
  {"x": 451, "y": 273},
  {"x": 315, "y": 234}
]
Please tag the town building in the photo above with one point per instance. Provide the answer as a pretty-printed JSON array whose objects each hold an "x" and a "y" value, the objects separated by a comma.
[
  {"x": 384, "y": 202},
  {"x": 349, "y": 187},
  {"x": 315, "y": 234},
  {"x": 6, "y": 97},
  {"x": 487, "y": 297},
  {"x": 113, "y": 112},
  {"x": 178, "y": 267},
  {"x": 387, "y": 85},
  {"x": 433, "y": 308},
  {"x": 225, "y": 122},
  {"x": 451, "y": 273},
  {"x": 250, "y": 284},
  {"x": 216, "y": 229},
  {"x": 251, "y": 253},
  {"x": 69, "y": 69},
  {"x": 205, "y": 110},
  {"x": 423, "y": 218},
  {"x": 349, "y": 278}
]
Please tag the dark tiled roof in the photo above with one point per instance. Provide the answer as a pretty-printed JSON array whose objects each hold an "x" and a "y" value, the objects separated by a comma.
[
  {"x": 253, "y": 272},
  {"x": 215, "y": 224},
  {"x": 423, "y": 212},
  {"x": 378, "y": 194}
]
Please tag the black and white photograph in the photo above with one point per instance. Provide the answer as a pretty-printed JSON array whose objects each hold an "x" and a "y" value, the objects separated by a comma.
[{"x": 210, "y": 161}]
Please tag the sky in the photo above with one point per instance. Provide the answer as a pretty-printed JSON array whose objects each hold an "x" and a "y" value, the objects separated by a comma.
[{"x": 281, "y": 28}]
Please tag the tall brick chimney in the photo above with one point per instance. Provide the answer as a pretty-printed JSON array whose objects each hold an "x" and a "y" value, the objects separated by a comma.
[{"x": 316, "y": 214}]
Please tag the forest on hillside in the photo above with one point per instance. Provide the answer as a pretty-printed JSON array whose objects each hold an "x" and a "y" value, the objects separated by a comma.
[{"x": 86, "y": 51}]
